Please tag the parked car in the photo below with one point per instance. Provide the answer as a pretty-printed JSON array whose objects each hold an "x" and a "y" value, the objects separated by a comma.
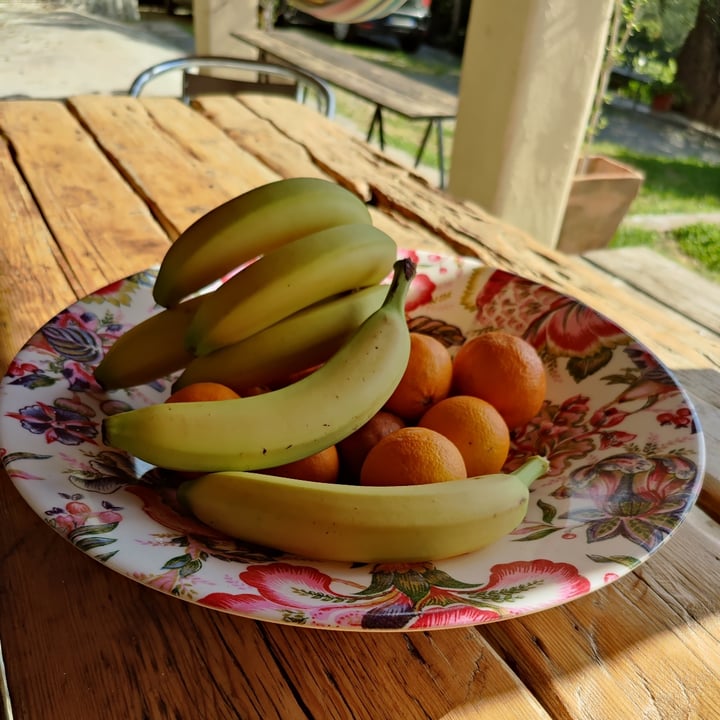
[{"x": 408, "y": 25}]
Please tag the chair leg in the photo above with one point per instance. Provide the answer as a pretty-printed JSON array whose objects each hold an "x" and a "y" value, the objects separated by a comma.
[
  {"x": 423, "y": 143},
  {"x": 377, "y": 120},
  {"x": 441, "y": 153},
  {"x": 437, "y": 122}
]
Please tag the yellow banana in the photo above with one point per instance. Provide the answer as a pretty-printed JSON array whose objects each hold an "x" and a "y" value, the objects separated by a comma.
[
  {"x": 151, "y": 349},
  {"x": 305, "y": 339},
  {"x": 363, "y": 524},
  {"x": 250, "y": 225},
  {"x": 283, "y": 425},
  {"x": 289, "y": 278}
]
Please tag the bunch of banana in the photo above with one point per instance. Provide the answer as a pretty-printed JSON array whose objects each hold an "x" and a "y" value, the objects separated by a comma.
[
  {"x": 316, "y": 244},
  {"x": 284, "y": 425},
  {"x": 363, "y": 524},
  {"x": 249, "y": 225},
  {"x": 285, "y": 280},
  {"x": 303, "y": 340},
  {"x": 149, "y": 350}
]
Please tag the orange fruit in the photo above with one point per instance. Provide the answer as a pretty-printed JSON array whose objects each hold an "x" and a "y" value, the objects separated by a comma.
[
  {"x": 323, "y": 466},
  {"x": 427, "y": 378},
  {"x": 354, "y": 448},
  {"x": 504, "y": 370},
  {"x": 477, "y": 429},
  {"x": 412, "y": 456},
  {"x": 200, "y": 391}
]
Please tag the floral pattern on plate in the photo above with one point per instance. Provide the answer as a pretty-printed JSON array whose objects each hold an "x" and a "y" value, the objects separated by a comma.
[{"x": 625, "y": 449}]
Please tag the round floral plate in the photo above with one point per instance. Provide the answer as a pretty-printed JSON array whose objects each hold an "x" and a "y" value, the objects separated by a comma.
[{"x": 625, "y": 449}]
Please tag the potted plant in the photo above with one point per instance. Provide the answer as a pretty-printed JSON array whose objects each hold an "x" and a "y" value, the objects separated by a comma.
[{"x": 664, "y": 95}]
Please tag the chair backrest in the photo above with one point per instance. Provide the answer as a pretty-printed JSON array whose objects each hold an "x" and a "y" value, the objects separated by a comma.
[{"x": 197, "y": 84}]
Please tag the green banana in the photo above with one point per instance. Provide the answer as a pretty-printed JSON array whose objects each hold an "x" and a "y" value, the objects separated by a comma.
[
  {"x": 249, "y": 225},
  {"x": 303, "y": 340},
  {"x": 151, "y": 349},
  {"x": 353, "y": 523},
  {"x": 289, "y": 278},
  {"x": 284, "y": 425}
]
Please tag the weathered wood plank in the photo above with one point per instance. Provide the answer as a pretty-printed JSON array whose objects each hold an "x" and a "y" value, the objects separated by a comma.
[
  {"x": 229, "y": 165},
  {"x": 104, "y": 231},
  {"x": 257, "y": 136},
  {"x": 173, "y": 181},
  {"x": 456, "y": 674},
  {"x": 662, "y": 665},
  {"x": 668, "y": 282},
  {"x": 129, "y": 637},
  {"x": 26, "y": 250}
]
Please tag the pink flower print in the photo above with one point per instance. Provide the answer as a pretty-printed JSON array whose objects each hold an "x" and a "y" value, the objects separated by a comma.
[
  {"x": 420, "y": 293},
  {"x": 543, "y": 583},
  {"x": 158, "y": 507},
  {"x": 17, "y": 369},
  {"x": 650, "y": 381},
  {"x": 682, "y": 418},
  {"x": 405, "y": 595},
  {"x": 111, "y": 289},
  {"x": 571, "y": 329},
  {"x": 292, "y": 592}
]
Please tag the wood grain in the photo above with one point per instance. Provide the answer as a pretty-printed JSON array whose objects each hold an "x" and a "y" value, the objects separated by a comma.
[
  {"x": 286, "y": 157},
  {"x": 170, "y": 179},
  {"x": 79, "y": 638},
  {"x": 27, "y": 251},
  {"x": 672, "y": 285},
  {"x": 646, "y": 646},
  {"x": 103, "y": 230}
]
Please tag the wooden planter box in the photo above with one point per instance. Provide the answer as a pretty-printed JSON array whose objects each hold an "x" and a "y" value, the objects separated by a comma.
[{"x": 600, "y": 197}]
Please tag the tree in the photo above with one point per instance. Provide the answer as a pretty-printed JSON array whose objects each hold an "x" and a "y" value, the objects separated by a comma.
[
  {"x": 623, "y": 22},
  {"x": 698, "y": 66}
]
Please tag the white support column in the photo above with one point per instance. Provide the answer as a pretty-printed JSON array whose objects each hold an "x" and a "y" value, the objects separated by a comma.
[
  {"x": 529, "y": 74},
  {"x": 213, "y": 20}
]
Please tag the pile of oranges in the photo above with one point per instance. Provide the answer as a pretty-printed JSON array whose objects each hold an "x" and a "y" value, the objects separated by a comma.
[{"x": 449, "y": 418}]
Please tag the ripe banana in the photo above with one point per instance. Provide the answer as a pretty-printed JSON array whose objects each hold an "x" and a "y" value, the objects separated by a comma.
[
  {"x": 353, "y": 523},
  {"x": 303, "y": 340},
  {"x": 284, "y": 425},
  {"x": 289, "y": 278},
  {"x": 250, "y": 225},
  {"x": 151, "y": 349}
]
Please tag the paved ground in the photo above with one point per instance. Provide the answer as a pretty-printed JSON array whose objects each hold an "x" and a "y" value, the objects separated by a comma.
[{"x": 49, "y": 53}]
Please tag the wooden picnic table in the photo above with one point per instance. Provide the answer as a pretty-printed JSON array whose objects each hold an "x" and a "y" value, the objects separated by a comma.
[
  {"x": 381, "y": 86},
  {"x": 94, "y": 189}
]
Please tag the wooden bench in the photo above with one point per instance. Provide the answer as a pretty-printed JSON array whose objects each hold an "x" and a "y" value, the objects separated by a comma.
[
  {"x": 386, "y": 89},
  {"x": 668, "y": 283}
]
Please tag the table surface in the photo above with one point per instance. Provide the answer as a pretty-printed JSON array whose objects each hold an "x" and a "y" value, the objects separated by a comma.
[{"x": 94, "y": 189}]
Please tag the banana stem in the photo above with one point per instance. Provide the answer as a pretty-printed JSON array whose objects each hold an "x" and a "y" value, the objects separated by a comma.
[
  {"x": 531, "y": 470},
  {"x": 403, "y": 273}
]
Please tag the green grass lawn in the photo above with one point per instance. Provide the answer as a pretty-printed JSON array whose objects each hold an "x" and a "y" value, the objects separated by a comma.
[{"x": 674, "y": 186}]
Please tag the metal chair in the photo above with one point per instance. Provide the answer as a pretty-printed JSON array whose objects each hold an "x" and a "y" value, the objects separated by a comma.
[{"x": 194, "y": 84}]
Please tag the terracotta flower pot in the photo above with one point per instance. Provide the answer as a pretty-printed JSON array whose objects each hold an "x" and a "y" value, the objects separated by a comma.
[
  {"x": 601, "y": 194},
  {"x": 662, "y": 102}
]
